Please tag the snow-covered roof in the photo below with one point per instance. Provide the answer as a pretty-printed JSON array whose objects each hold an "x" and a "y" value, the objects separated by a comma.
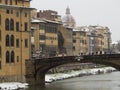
[
  {"x": 56, "y": 22},
  {"x": 36, "y": 20},
  {"x": 33, "y": 28},
  {"x": 75, "y": 30},
  {"x": 114, "y": 42},
  {"x": 79, "y": 30}
]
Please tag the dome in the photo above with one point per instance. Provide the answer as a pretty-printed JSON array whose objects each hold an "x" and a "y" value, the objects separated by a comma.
[{"x": 68, "y": 19}]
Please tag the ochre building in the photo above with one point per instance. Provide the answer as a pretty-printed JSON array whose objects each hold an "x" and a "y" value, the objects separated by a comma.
[
  {"x": 44, "y": 37},
  {"x": 79, "y": 42},
  {"x": 14, "y": 39}
]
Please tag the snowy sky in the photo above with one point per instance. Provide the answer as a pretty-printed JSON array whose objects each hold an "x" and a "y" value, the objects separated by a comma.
[{"x": 87, "y": 12}]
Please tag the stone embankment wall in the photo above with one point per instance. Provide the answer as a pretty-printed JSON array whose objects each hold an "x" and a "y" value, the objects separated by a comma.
[{"x": 12, "y": 79}]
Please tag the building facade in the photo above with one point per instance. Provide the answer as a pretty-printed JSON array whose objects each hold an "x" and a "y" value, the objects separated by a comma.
[
  {"x": 58, "y": 38},
  {"x": 45, "y": 36},
  {"x": 49, "y": 15},
  {"x": 79, "y": 42},
  {"x": 14, "y": 38},
  {"x": 67, "y": 40},
  {"x": 99, "y": 39}
]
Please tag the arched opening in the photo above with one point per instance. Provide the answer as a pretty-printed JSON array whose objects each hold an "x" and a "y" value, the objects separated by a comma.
[
  {"x": 12, "y": 40},
  {"x": 7, "y": 24},
  {"x": 6, "y": 1},
  {"x": 11, "y": 24},
  {"x": 7, "y": 57},
  {"x": 0, "y": 52},
  {"x": 7, "y": 42},
  {"x": 10, "y": 2},
  {"x": 12, "y": 57}
]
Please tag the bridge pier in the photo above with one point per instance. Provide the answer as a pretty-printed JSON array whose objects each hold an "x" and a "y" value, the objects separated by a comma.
[
  {"x": 38, "y": 80},
  {"x": 34, "y": 77}
]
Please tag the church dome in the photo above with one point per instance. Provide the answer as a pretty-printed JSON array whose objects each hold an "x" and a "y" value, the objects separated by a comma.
[{"x": 68, "y": 19}]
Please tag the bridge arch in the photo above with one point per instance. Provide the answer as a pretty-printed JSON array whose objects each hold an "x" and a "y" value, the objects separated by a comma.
[
  {"x": 71, "y": 59},
  {"x": 41, "y": 66}
]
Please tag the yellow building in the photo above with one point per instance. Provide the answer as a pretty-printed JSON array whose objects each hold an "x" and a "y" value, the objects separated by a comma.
[
  {"x": 45, "y": 35},
  {"x": 104, "y": 38},
  {"x": 79, "y": 42},
  {"x": 14, "y": 39},
  {"x": 99, "y": 39}
]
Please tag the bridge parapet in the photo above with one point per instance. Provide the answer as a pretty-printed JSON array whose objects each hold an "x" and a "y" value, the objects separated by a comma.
[{"x": 102, "y": 57}]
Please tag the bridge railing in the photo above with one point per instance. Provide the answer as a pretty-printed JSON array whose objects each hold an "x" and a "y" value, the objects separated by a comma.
[{"x": 102, "y": 56}]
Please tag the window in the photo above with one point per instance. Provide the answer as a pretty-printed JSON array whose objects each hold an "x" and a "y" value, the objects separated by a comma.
[
  {"x": 92, "y": 42},
  {"x": 73, "y": 47},
  {"x": 17, "y": 26},
  {"x": 17, "y": 58},
  {"x": 12, "y": 56},
  {"x": 26, "y": 42},
  {"x": 7, "y": 56},
  {"x": 7, "y": 24},
  {"x": 17, "y": 14},
  {"x": 12, "y": 40},
  {"x": 11, "y": 11},
  {"x": 10, "y": 2},
  {"x": 32, "y": 32},
  {"x": 7, "y": 40},
  {"x": 7, "y": 11},
  {"x": 74, "y": 33},
  {"x": 16, "y": 2},
  {"x": 6, "y": 1},
  {"x": 83, "y": 42},
  {"x": 0, "y": 19},
  {"x": 17, "y": 42},
  {"x": 41, "y": 37},
  {"x": 41, "y": 26},
  {"x": 0, "y": 35},
  {"x": 12, "y": 24},
  {"x": 0, "y": 52},
  {"x": 25, "y": 14},
  {"x": 74, "y": 41},
  {"x": 0, "y": 65},
  {"x": 26, "y": 26}
]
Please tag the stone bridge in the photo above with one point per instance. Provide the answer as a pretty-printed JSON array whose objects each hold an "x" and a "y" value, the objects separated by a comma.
[{"x": 36, "y": 69}]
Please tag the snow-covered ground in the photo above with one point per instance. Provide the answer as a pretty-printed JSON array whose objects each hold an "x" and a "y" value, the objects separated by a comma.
[
  {"x": 57, "y": 76},
  {"x": 13, "y": 86}
]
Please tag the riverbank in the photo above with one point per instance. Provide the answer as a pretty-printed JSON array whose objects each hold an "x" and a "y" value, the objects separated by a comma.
[
  {"x": 58, "y": 76},
  {"x": 13, "y": 86}
]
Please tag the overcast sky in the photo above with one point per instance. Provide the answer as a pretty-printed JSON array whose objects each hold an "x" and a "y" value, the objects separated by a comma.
[{"x": 87, "y": 12}]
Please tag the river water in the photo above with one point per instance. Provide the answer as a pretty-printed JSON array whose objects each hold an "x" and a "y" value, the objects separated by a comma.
[{"x": 108, "y": 81}]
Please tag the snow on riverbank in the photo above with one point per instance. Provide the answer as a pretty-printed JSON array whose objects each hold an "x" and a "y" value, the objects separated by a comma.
[
  {"x": 57, "y": 76},
  {"x": 13, "y": 86}
]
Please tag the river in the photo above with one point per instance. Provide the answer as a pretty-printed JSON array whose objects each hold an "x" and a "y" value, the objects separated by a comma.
[{"x": 108, "y": 81}]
